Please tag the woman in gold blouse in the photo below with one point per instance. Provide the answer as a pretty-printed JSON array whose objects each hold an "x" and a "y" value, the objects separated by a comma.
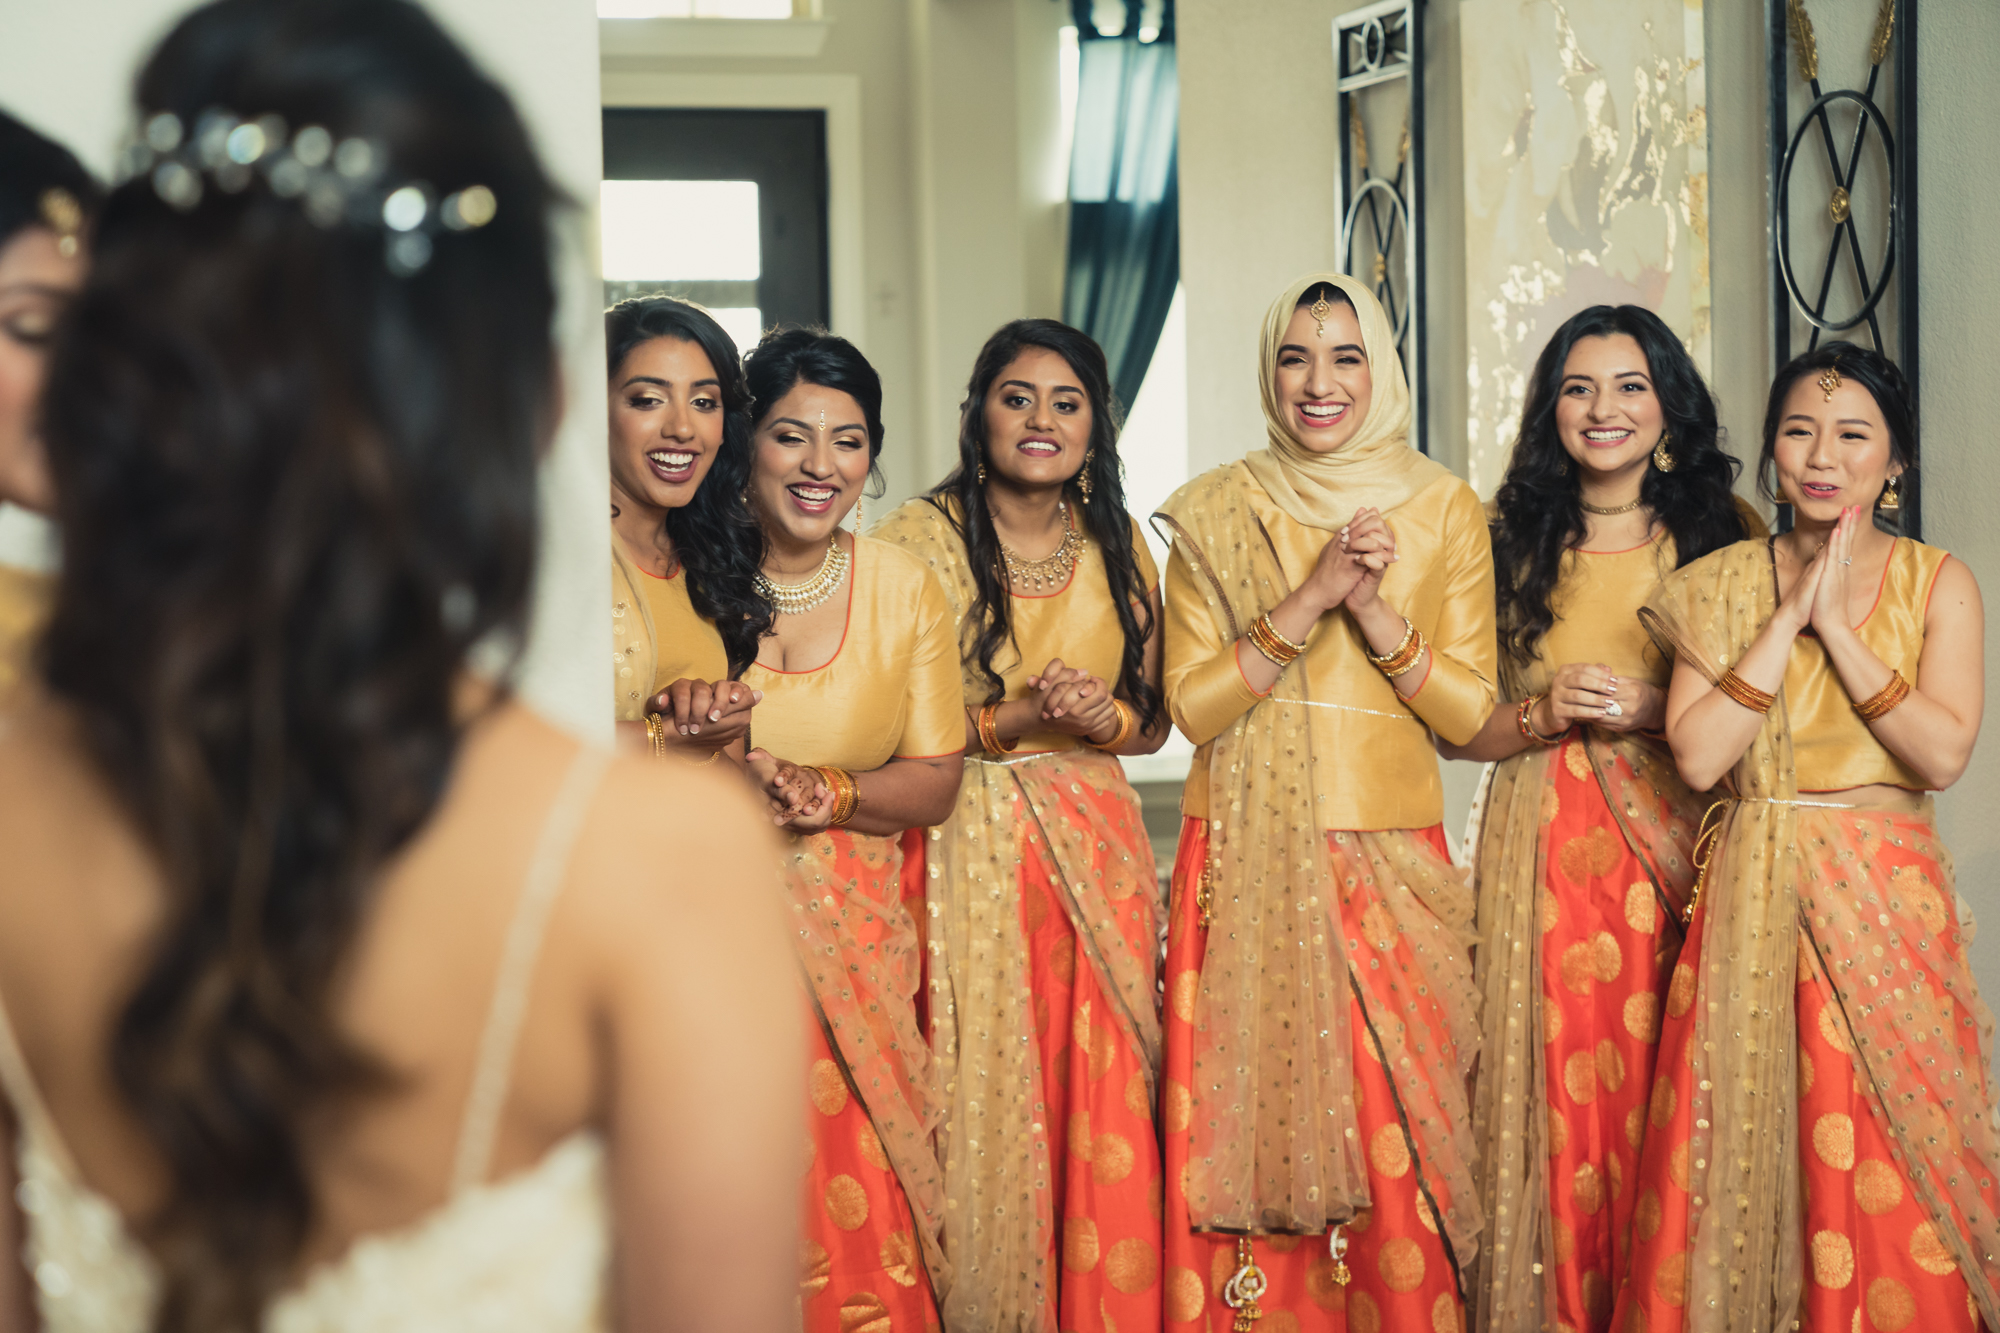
[
  {"x": 1823, "y": 1138},
  {"x": 1043, "y": 900},
  {"x": 858, "y": 739},
  {"x": 1329, "y": 605},
  {"x": 1583, "y": 856},
  {"x": 686, "y": 614}
]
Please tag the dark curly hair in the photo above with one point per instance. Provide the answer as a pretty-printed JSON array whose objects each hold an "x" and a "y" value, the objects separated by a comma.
[
  {"x": 294, "y": 491},
  {"x": 962, "y": 500},
  {"x": 716, "y": 538},
  {"x": 32, "y": 164},
  {"x": 791, "y": 355},
  {"x": 1866, "y": 367},
  {"x": 1540, "y": 501}
]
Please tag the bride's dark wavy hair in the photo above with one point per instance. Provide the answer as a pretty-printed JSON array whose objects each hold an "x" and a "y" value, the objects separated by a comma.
[
  {"x": 962, "y": 500},
  {"x": 716, "y": 538},
  {"x": 1540, "y": 501},
  {"x": 294, "y": 490}
]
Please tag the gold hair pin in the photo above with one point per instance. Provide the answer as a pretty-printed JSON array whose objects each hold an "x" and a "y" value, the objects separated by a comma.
[
  {"x": 65, "y": 218},
  {"x": 1319, "y": 310},
  {"x": 1829, "y": 380}
]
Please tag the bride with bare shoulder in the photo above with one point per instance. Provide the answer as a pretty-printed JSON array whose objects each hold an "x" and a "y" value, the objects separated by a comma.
[{"x": 341, "y": 990}]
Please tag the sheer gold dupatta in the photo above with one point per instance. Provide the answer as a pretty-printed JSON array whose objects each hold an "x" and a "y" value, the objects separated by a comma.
[
  {"x": 1275, "y": 1144},
  {"x": 1746, "y": 1253}
]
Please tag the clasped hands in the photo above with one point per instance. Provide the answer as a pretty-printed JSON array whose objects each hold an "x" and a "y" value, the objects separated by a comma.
[
  {"x": 705, "y": 717},
  {"x": 1351, "y": 565},
  {"x": 1584, "y": 692}
]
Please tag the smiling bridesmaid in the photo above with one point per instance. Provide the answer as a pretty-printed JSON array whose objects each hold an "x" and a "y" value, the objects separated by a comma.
[
  {"x": 1043, "y": 900},
  {"x": 858, "y": 739},
  {"x": 1329, "y": 606},
  {"x": 686, "y": 613}
]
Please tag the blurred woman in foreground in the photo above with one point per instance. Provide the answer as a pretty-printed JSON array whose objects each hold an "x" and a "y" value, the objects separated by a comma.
[{"x": 346, "y": 992}]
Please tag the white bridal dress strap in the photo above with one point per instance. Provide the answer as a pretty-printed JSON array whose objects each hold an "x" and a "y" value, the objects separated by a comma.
[{"x": 527, "y": 1253}]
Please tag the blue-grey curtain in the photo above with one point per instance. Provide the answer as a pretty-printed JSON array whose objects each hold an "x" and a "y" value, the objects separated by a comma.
[{"x": 1124, "y": 192}]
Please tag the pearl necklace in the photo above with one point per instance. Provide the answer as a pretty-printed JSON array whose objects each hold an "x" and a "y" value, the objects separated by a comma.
[
  {"x": 1052, "y": 570},
  {"x": 795, "y": 599}
]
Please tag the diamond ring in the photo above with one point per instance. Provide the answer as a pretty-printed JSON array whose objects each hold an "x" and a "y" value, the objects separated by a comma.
[{"x": 1614, "y": 709}]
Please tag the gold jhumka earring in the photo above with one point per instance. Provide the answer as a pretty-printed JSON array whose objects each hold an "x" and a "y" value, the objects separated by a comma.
[
  {"x": 981, "y": 474},
  {"x": 1662, "y": 458},
  {"x": 1829, "y": 380},
  {"x": 1892, "y": 496}
]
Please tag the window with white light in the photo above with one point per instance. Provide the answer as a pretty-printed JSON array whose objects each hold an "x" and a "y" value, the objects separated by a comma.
[{"x": 697, "y": 239}]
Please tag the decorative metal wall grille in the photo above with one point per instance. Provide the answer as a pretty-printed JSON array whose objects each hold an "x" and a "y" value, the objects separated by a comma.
[
  {"x": 1826, "y": 280},
  {"x": 1378, "y": 56}
]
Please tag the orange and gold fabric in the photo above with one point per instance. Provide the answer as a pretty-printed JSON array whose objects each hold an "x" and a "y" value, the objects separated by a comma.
[
  {"x": 1583, "y": 860},
  {"x": 1279, "y": 1015},
  {"x": 1074, "y": 623},
  {"x": 657, "y": 637},
  {"x": 1044, "y": 918},
  {"x": 890, "y": 690},
  {"x": 1400, "y": 1268},
  {"x": 1822, "y": 1140},
  {"x": 1443, "y": 581}
]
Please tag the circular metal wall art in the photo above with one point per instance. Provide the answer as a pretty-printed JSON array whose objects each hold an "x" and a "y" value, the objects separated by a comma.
[
  {"x": 1399, "y": 223},
  {"x": 1840, "y": 208}
]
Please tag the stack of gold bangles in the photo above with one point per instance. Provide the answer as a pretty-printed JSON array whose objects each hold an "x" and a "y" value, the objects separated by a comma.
[
  {"x": 1128, "y": 720},
  {"x": 1744, "y": 693},
  {"x": 1524, "y": 719},
  {"x": 1264, "y": 637},
  {"x": 846, "y": 791},
  {"x": 656, "y": 734},
  {"x": 1880, "y": 704},
  {"x": 1404, "y": 655},
  {"x": 987, "y": 725}
]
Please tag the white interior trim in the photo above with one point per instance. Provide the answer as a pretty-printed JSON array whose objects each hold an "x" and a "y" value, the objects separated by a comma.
[
  {"x": 839, "y": 95},
  {"x": 757, "y": 39}
]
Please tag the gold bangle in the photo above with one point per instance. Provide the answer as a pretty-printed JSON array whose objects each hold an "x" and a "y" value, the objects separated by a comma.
[
  {"x": 1406, "y": 658},
  {"x": 1744, "y": 693},
  {"x": 1883, "y": 702},
  {"x": 656, "y": 734},
  {"x": 1128, "y": 722},
  {"x": 1524, "y": 719},
  {"x": 1384, "y": 659},
  {"x": 1264, "y": 637},
  {"x": 846, "y": 793},
  {"x": 987, "y": 727}
]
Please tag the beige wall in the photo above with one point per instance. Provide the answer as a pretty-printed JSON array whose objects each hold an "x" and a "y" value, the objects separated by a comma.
[{"x": 545, "y": 51}]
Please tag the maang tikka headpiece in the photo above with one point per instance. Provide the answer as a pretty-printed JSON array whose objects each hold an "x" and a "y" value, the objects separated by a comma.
[
  {"x": 63, "y": 216},
  {"x": 338, "y": 182},
  {"x": 1829, "y": 379},
  {"x": 1319, "y": 310}
]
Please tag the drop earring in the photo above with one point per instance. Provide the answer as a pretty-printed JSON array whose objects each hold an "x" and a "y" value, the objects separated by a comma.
[
  {"x": 981, "y": 474},
  {"x": 1083, "y": 474},
  {"x": 1663, "y": 459},
  {"x": 1892, "y": 496}
]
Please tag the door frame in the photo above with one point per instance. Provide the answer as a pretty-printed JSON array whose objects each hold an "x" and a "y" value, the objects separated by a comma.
[{"x": 839, "y": 96}]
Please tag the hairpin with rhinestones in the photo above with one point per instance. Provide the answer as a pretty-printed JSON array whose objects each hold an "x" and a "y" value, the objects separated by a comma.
[
  {"x": 64, "y": 216},
  {"x": 339, "y": 182},
  {"x": 1829, "y": 379}
]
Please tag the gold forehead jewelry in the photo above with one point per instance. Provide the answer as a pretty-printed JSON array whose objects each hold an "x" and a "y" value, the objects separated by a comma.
[
  {"x": 1319, "y": 310},
  {"x": 822, "y": 418},
  {"x": 1829, "y": 380},
  {"x": 64, "y": 216}
]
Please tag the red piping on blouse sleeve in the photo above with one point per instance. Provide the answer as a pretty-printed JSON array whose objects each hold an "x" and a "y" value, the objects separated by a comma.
[
  {"x": 1237, "y": 657},
  {"x": 1429, "y": 664},
  {"x": 1932, "y": 587}
]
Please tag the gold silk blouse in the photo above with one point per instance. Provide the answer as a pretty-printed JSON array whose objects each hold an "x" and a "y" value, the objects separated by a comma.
[
  {"x": 657, "y": 637},
  {"x": 891, "y": 690},
  {"x": 26, "y": 598},
  {"x": 1376, "y": 765},
  {"x": 1832, "y": 748},
  {"x": 1596, "y": 604},
  {"x": 1075, "y": 622}
]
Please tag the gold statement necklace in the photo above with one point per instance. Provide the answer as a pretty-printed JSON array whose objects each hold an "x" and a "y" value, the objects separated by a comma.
[
  {"x": 1051, "y": 571},
  {"x": 1612, "y": 512},
  {"x": 795, "y": 599}
]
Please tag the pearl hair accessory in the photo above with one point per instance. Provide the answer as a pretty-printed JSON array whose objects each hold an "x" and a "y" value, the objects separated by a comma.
[{"x": 339, "y": 182}]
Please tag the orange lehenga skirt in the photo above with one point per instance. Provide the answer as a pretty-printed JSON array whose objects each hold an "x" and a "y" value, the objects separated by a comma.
[
  {"x": 1402, "y": 1274},
  {"x": 1044, "y": 926},
  {"x": 1874, "y": 895},
  {"x": 870, "y": 1254}
]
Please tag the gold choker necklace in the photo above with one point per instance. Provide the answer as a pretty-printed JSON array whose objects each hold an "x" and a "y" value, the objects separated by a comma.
[
  {"x": 1052, "y": 570},
  {"x": 1612, "y": 512},
  {"x": 795, "y": 599}
]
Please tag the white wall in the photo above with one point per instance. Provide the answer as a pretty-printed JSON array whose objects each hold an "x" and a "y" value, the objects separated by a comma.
[{"x": 545, "y": 52}]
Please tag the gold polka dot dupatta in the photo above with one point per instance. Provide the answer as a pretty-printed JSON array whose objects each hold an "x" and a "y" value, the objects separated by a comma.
[
  {"x": 1791, "y": 892},
  {"x": 1275, "y": 1142}
]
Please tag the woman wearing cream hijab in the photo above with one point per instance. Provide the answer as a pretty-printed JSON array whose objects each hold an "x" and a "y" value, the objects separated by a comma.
[{"x": 1329, "y": 606}]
